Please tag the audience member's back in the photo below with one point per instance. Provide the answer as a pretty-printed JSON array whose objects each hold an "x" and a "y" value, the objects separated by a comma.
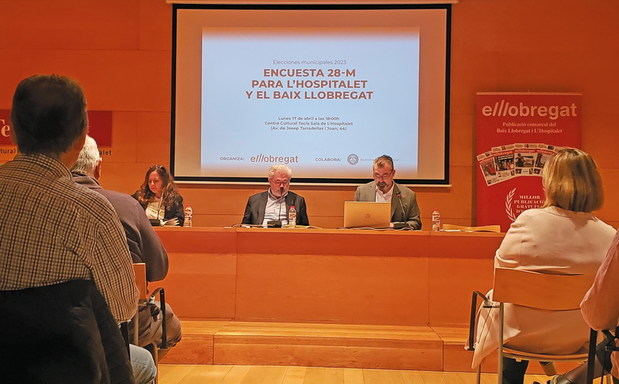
[
  {"x": 561, "y": 237},
  {"x": 144, "y": 244},
  {"x": 53, "y": 230}
]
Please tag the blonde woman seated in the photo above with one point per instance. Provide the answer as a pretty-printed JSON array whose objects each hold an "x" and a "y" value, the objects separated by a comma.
[
  {"x": 159, "y": 197},
  {"x": 561, "y": 237}
]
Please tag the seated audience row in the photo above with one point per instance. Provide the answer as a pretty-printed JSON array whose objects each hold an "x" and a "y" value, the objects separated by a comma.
[{"x": 65, "y": 227}]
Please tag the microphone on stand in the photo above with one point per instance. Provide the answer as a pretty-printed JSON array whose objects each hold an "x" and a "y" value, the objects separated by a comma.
[
  {"x": 281, "y": 196},
  {"x": 277, "y": 223},
  {"x": 400, "y": 225}
]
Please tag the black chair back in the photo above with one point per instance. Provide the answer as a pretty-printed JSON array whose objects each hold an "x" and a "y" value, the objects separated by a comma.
[{"x": 61, "y": 333}]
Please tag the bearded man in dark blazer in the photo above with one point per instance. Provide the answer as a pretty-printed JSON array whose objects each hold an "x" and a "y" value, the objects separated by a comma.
[{"x": 404, "y": 208}]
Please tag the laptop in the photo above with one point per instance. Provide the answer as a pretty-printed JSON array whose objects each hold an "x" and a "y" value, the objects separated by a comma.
[{"x": 366, "y": 214}]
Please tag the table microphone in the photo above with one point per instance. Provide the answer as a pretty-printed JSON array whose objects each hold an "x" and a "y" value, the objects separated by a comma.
[
  {"x": 277, "y": 223},
  {"x": 399, "y": 196}
]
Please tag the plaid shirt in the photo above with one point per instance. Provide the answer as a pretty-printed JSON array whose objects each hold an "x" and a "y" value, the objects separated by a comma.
[{"x": 53, "y": 230}]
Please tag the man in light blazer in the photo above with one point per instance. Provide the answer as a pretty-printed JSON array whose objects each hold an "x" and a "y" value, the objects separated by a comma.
[
  {"x": 274, "y": 204},
  {"x": 404, "y": 208}
]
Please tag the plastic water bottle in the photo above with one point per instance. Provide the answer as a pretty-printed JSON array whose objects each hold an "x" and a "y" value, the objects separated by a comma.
[
  {"x": 436, "y": 221},
  {"x": 292, "y": 216},
  {"x": 188, "y": 216}
]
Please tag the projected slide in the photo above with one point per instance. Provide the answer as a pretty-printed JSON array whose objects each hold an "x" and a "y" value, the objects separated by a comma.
[
  {"x": 323, "y": 90},
  {"x": 307, "y": 101}
]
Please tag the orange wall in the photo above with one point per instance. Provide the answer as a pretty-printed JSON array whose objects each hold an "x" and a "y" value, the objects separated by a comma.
[{"x": 120, "y": 51}]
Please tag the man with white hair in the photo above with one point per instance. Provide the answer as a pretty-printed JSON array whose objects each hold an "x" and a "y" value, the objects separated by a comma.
[
  {"x": 273, "y": 206},
  {"x": 144, "y": 244}
]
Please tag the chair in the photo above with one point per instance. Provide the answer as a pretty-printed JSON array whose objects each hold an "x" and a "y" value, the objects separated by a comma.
[
  {"x": 140, "y": 279},
  {"x": 604, "y": 350},
  {"x": 60, "y": 333},
  {"x": 534, "y": 290}
]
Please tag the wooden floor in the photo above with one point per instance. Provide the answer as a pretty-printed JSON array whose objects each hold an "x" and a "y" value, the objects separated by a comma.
[{"x": 246, "y": 374}]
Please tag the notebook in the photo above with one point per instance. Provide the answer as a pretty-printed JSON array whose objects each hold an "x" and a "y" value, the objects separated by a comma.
[{"x": 366, "y": 214}]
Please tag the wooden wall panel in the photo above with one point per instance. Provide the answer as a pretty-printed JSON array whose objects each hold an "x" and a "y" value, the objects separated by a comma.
[
  {"x": 153, "y": 137},
  {"x": 460, "y": 264},
  {"x": 381, "y": 291},
  {"x": 155, "y": 25},
  {"x": 332, "y": 276},
  {"x": 112, "y": 80},
  {"x": 134, "y": 173},
  {"x": 599, "y": 129},
  {"x": 609, "y": 211},
  {"x": 460, "y": 131},
  {"x": 125, "y": 140},
  {"x": 202, "y": 278},
  {"x": 69, "y": 24}
]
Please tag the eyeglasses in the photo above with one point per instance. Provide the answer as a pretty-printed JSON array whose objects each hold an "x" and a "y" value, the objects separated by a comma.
[{"x": 383, "y": 175}]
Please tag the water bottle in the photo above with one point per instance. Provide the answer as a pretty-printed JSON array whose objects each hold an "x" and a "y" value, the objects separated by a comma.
[
  {"x": 188, "y": 216},
  {"x": 436, "y": 221},
  {"x": 292, "y": 216}
]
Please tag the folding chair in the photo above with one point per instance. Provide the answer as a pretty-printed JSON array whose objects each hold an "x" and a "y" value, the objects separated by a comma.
[
  {"x": 604, "y": 351},
  {"x": 140, "y": 279},
  {"x": 534, "y": 290}
]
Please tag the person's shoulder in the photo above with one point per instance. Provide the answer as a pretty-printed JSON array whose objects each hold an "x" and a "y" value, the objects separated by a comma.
[
  {"x": 296, "y": 195},
  {"x": 534, "y": 212},
  {"x": 177, "y": 197},
  {"x": 534, "y": 215},
  {"x": 370, "y": 185},
  {"x": 564, "y": 215},
  {"x": 90, "y": 201},
  {"x": 605, "y": 227},
  {"x": 404, "y": 190},
  {"x": 552, "y": 216},
  {"x": 119, "y": 197},
  {"x": 258, "y": 195}
]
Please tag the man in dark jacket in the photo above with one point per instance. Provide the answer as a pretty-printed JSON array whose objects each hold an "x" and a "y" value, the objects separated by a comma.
[
  {"x": 144, "y": 244},
  {"x": 274, "y": 204}
]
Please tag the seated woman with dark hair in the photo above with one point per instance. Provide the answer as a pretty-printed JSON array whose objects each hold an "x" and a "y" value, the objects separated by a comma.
[
  {"x": 561, "y": 237},
  {"x": 159, "y": 197}
]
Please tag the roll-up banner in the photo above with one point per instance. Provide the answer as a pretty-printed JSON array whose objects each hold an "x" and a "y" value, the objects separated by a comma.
[{"x": 516, "y": 134}]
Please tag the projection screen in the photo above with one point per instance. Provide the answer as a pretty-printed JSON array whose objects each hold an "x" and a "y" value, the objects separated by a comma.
[{"x": 324, "y": 89}]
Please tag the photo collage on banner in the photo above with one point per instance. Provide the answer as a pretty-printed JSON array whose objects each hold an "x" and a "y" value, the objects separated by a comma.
[{"x": 513, "y": 160}]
